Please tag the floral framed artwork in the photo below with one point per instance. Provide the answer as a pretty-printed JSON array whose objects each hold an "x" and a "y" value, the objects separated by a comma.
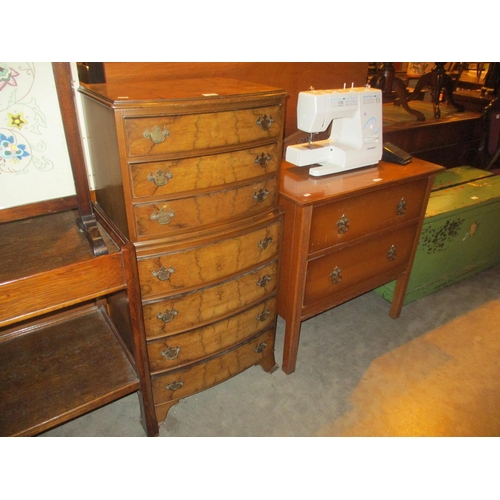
[{"x": 34, "y": 160}]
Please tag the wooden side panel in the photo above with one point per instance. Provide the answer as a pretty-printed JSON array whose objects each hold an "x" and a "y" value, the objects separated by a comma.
[{"x": 62, "y": 287}]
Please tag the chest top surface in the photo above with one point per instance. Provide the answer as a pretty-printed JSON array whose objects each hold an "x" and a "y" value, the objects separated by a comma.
[
  {"x": 302, "y": 189},
  {"x": 131, "y": 94}
]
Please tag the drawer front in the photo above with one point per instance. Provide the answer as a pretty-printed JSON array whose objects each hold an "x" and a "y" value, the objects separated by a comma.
[
  {"x": 171, "y": 272},
  {"x": 182, "y": 312},
  {"x": 338, "y": 271},
  {"x": 174, "y": 134},
  {"x": 162, "y": 219},
  {"x": 185, "y": 382},
  {"x": 354, "y": 217},
  {"x": 165, "y": 178},
  {"x": 217, "y": 337}
]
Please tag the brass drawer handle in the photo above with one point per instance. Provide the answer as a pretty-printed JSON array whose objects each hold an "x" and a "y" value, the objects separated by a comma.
[
  {"x": 263, "y": 315},
  {"x": 265, "y": 122},
  {"x": 401, "y": 208},
  {"x": 263, "y": 160},
  {"x": 265, "y": 242},
  {"x": 171, "y": 353},
  {"x": 260, "y": 348},
  {"x": 157, "y": 135},
  {"x": 343, "y": 224},
  {"x": 336, "y": 275},
  {"x": 264, "y": 281},
  {"x": 175, "y": 385},
  {"x": 161, "y": 178},
  {"x": 260, "y": 195},
  {"x": 163, "y": 274},
  {"x": 167, "y": 316},
  {"x": 163, "y": 216},
  {"x": 391, "y": 253}
]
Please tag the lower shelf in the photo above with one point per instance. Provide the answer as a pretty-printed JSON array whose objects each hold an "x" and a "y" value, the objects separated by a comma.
[{"x": 54, "y": 371}]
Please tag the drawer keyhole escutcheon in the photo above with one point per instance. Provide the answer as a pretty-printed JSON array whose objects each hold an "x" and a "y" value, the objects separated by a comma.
[
  {"x": 161, "y": 178},
  {"x": 265, "y": 243},
  {"x": 163, "y": 274},
  {"x": 260, "y": 348},
  {"x": 391, "y": 253},
  {"x": 263, "y": 315},
  {"x": 157, "y": 135},
  {"x": 402, "y": 206},
  {"x": 171, "y": 353},
  {"x": 167, "y": 316},
  {"x": 260, "y": 195},
  {"x": 175, "y": 385},
  {"x": 343, "y": 224},
  {"x": 263, "y": 159},
  {"x": 336, "y": 275},
  {"x": 162, "y": 216},
  {"x": 265, "y": 122},
  {"x": 264, "y": 281}
]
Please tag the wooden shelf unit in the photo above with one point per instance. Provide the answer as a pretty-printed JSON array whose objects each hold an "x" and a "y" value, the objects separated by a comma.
[
  {"x": 71, "y": 335},
  {"x": 68, "y": 344}
]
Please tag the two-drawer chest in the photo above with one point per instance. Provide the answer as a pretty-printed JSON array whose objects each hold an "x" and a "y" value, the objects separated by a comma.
[
  {"x": 346, "y": 234},
  {"x": 188, "y": 170}
]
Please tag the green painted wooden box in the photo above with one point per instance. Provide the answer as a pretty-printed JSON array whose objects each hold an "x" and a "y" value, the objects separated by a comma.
[{"x": 460, "y": 235}]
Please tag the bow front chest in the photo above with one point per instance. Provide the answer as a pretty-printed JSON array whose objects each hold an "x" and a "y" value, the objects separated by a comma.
[{"x": 188, "y": 170}]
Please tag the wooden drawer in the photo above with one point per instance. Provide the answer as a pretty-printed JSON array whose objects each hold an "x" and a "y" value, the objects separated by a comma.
[
  {"x": 160, "y": 219},
  {"x": 182, "y": 312},
  {"x": 187, "y": 381},
  {"x": 163, "y": 178},
  {"x": 351, "y": 218},
  {"x": 177, "y": 134},
  {"x": 216, "y": 337},
  {"x": 338, "y": 271},
  {"x": 170, "y": 273}
]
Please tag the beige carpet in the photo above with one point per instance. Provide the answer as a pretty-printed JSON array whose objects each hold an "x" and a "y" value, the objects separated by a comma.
[{"x": 451, "y": 389}]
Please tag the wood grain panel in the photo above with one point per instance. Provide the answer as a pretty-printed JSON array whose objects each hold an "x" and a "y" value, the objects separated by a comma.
[
  {"x": 374, "y": 211},
  {"x": 200, "y": 343},
  {"x": 164, "y": 178},
  {"x": 171, "y": 217},
  {"x": 211, "y": 303},
  {"x": 358, "y": 264},
  {"x": 207, "y": 263},
  {"x": 184, "y": 382},
  {"x": 194, "y": 132}
]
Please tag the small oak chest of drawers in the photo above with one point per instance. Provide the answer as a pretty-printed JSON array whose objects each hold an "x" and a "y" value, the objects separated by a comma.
[
  {"x": 346, "y": 234},
  {"x": 188, "y": 170}
]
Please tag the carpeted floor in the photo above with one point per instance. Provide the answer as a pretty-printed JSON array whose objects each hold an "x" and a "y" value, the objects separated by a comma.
[{"x": 432, "y": 372}]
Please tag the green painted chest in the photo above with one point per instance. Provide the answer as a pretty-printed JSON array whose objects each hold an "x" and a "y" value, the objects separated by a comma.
[{"x": 460, "y": 235}]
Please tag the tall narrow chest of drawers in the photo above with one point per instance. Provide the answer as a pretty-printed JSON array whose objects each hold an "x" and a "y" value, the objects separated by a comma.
[{"x": 188, "y": 170}]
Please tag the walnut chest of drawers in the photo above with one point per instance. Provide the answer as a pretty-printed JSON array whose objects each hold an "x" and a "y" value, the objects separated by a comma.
[
  {"x": 188, "y": 170},
  {"x": 346, "y": 234}
]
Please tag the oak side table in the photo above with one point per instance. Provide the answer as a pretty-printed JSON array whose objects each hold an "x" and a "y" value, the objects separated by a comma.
[{"x": 346, "y": 234}]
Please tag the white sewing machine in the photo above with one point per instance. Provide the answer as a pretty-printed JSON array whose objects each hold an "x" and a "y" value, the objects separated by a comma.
[{"x": 356, "y": 136}]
